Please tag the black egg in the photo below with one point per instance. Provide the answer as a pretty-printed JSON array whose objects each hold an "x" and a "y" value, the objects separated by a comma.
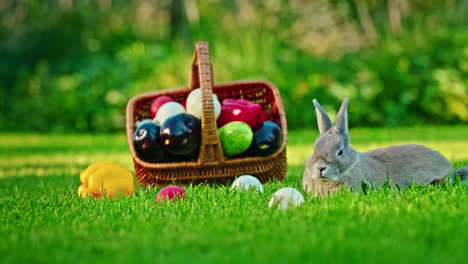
[
  {"x": 146, "y": 142},
  {"x": 181, "y": 135},
  {"x": 267, "y": 139}
]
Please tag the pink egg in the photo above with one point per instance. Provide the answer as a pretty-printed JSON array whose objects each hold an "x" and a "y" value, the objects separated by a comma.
[
  {"x": 157, "y": 103},
  {"x": 170, "y": 193}
]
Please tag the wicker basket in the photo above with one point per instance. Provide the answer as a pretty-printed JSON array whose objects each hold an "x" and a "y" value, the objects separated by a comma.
[{"x": 211, "y": 165}]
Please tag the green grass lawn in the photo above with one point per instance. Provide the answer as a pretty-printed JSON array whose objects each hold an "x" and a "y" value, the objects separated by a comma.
[{"x": 43, "y": 220}]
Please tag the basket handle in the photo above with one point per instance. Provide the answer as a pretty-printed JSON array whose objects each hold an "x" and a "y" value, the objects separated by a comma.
[{"x": 211, "y": 151}]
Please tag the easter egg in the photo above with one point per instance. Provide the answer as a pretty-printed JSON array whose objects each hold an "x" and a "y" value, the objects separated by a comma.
[
  {"x": 194, "y": 104},
  {"x": 235, "y": 137},
  {"x": 267, "y": 139},
  {"x": 285, "y": 198},
  {"x": 247, "y": 182},
  {"x": 168, "y": 110},
  {"x": 170, "y": 193},
  {"x": 261, "y": 118},
  {"x": 241, "y": 110},
  {"x": 181, "y": 135},
  {"x": 157, "y": 103},
  {"x": 146, "y": 142}
]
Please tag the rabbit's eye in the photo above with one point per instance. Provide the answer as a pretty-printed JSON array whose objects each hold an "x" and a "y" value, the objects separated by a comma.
[{"x": 340, "y": 153}]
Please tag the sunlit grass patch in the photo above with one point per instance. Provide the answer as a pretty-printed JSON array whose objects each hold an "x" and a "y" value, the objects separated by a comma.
[{"x": 42, "y": 220}]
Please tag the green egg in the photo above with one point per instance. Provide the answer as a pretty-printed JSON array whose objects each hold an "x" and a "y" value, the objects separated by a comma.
[{"x": 235, "y": 137}]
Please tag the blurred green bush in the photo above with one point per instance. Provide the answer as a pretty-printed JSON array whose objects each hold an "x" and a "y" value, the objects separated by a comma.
[{"x": 69, "y": 65}]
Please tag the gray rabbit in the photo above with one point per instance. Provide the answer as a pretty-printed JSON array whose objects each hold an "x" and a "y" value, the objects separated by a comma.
[{"x": 335, "y": 163}]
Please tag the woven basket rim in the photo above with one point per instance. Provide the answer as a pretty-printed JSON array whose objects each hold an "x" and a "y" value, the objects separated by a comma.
[{"x": 186, "y": 88}]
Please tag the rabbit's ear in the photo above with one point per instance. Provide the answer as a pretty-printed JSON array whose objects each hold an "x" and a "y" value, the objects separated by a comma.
[
  {"x": 342, "y": 118},
  {"x": 324, "y": 122}
]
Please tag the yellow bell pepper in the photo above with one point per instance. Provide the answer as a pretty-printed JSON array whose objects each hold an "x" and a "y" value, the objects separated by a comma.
[{"x": 105, "y": 178}]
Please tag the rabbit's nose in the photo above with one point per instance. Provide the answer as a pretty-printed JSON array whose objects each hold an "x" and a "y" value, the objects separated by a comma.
[{"x": 321, "y": 169}]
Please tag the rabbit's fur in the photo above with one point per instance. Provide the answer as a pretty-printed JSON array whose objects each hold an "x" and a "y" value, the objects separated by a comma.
[{"x": 335, "y": 162}]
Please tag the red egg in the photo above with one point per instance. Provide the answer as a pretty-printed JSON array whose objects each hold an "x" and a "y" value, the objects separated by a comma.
[
  {"x": 157, "y": 103},
  {"x": 241, "y": 110},
  {"x": 170, "y": 193},
  {"x": 261, "y": 118}
]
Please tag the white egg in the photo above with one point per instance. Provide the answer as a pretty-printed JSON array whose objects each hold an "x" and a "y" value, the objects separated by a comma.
[
  {"x": 246, "y": 182},
  {"x": 285, "y": 198},
  {"x": 194, "y": 104},
  {"x": 168, "y": 110}
]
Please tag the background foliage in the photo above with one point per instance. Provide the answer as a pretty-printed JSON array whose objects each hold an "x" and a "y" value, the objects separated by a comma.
[{"x": 71, "y": 65}]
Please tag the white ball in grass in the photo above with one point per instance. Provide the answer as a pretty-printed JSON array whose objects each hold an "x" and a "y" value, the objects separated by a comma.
[
  {"x": 167, "y": 110},
  {"x": 194, "y": 104},
  {"x": 285, "y": 198},
  {"x": 247, "y": 182}
]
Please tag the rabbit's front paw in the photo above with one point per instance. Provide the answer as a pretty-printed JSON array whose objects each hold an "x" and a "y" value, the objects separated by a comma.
[{"x": 320, "y": 187}]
